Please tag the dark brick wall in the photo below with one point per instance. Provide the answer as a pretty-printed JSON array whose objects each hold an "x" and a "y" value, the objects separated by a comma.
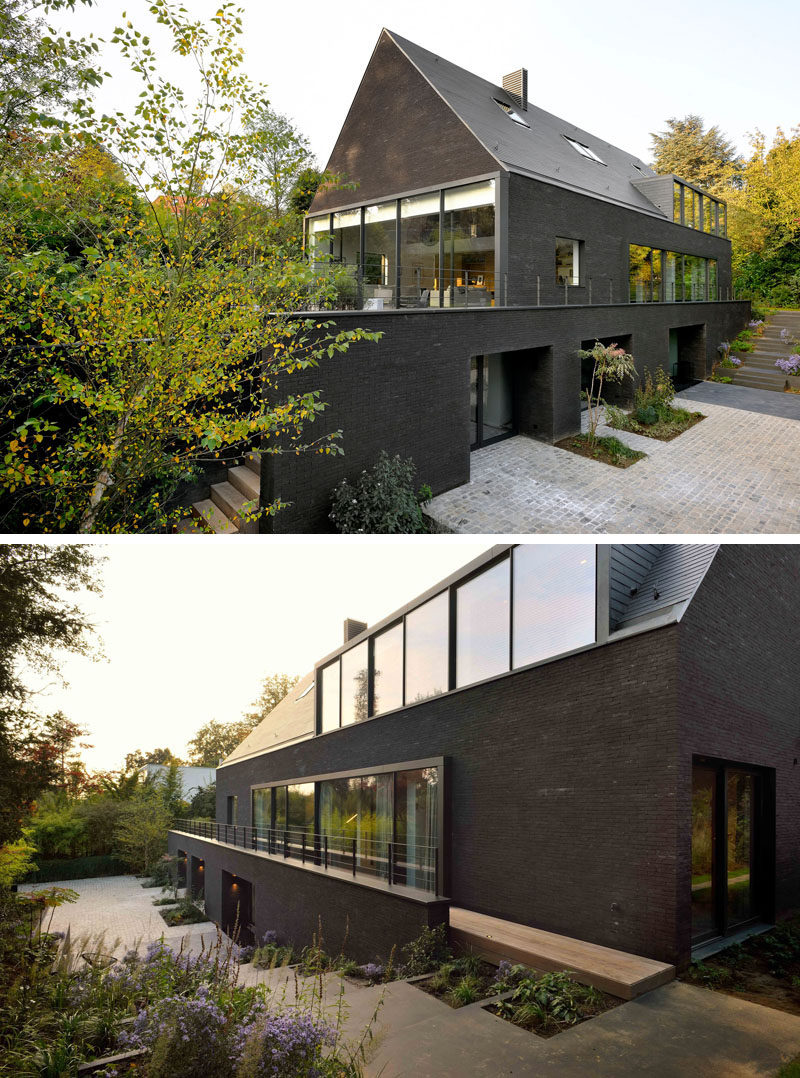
[
  {"x": 409, "y": 393},
  {"x": 561, "y": 789},
  {"x": 364, "y": 920},
  {"x": 399, "y": 135},
  {"x": 538, "y": 212},
  {"x": 740, "y": 697}
]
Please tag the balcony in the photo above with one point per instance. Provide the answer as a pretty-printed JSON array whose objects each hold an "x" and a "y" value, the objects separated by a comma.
[{"x": 388, "y": 863}]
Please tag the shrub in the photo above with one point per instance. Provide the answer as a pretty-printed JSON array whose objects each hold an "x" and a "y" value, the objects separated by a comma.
[
  {"x": 646, "y": 416},
  {"x": 467, "y": 990},
  {"x": 553, "y": 998},
  {"x": 185, "y": 913},
  {"x": 280, "y": 1045},
  {"x": 186, "y": 1037},
  {"x": 789, "y": 365},
  {"x": 271, "y": 956},
  {"x": 655, "y": 395},
  {"x": 382, "y": 500},
  {"x": 77, "y": 868},
  {"x": 426, "y": 952}
]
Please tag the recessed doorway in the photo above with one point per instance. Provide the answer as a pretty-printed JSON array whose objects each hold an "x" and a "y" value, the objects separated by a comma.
[{"x": 491, "y": 399}]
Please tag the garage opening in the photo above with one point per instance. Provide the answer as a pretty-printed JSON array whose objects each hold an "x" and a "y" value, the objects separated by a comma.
[
  {"x": 197, "y": 880},
  {"x": 237, "y": 908}
]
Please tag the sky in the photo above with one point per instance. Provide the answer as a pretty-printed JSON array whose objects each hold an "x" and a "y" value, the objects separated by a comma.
[
  {"x": 190, "y": 628},
  {"x": 614, "y": 68}
]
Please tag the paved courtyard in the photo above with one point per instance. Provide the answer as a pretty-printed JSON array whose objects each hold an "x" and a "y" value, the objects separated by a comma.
[
  {"x": 671, "y": 1032},
  {"x": 734, "y": 472}
]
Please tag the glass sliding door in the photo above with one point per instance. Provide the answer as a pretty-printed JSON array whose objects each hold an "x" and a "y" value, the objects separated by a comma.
[
  {"x": 729, "y": 830},
  {"x": 491, "y": 399}
]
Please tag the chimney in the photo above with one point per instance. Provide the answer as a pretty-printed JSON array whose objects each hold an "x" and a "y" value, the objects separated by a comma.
[
  {"x": 352, "y": 628},
  {"x": 516, "y": 86}
]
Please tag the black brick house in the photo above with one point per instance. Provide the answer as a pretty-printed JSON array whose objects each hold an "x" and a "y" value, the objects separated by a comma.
[
  {"x": 489, "y": 241},
  {"x": 597, "y": 741}
]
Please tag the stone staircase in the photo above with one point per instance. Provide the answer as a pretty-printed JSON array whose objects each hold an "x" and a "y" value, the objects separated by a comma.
[
  {"x": 221, "y": 512},
  {"x": 758, "y": 370}
]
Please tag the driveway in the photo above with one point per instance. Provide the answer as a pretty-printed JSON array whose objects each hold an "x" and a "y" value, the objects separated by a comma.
[{"x": 733, "y": 473}]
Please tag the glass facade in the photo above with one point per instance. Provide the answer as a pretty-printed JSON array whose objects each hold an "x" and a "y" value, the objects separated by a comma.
[
  {"x": 330, "y": 696},
  {"x": 704, "y": 919},
  {"x": 553, "y": 601},
  {"x": 357, "y": 809},
  {"x": 427, "y": 651},
  {"x": 695, "y": 210},
  {"x": 416, "y": 825},
  {"x": 388, "y": 670},
  {"x": 355, "y": 684},
  {"x": 441, "y": 255},
  {"x": 300, "y": 811},
  {"x": 528, "y": 605},
  {"x": 567, "y": 261},
  {"x": 483, "y": 625},
  {"x": 681, "y": 277},
  {"x": 262, "y": 808}
]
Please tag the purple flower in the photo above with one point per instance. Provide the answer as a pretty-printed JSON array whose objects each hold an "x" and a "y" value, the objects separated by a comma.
[
  {"x": 372, "y": 971},
  {"x": 270, "y": 936},
  {"x": 276, "y": 1045},
  {"x": 790, "y": 365},
  {"x": 735, "y": 361}
]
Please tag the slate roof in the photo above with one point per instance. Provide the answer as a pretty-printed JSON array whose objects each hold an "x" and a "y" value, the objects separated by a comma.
[
  {"x": 291, "y": 720},
  {"x": 540, "y": 151}
]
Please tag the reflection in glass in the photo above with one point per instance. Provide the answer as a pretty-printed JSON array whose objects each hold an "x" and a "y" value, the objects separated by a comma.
[
  {"x": 483, "y": 624},
  {"x": 380, "y": 233},
  {"x": 554, "y": 600},
  {"x": 468, "y": 229},
  {"x": 318, "y": 236},
  {"x": 707, "y": 214},
  {"x": 419, "y": 248},
  {"x": 279, "y": 807},
  {"x": 640, "y": 274},
  {"x": 388, "y": 672},
  {"x": 712, "y": 279},
  {"x": 694, "y": 277},
  {"x": 416, "y": 826},
  {"x": 357, "y": 809},
  {"x": 567, "y": 261},
  {"x": 690, "y": 207},
  {"x": 704, "y": 919},
  {"x": 330, "y": 696},
  {"x": 262, "y": 808},
  {"x": 741, "y": 905},
  {"x": 355, "y": 684},
  {"x": 673, "y": 277},
  {"x": 427, "y": 650},
  {"x": 301, "y": 807},
  {"x": 676, "y": 202}
]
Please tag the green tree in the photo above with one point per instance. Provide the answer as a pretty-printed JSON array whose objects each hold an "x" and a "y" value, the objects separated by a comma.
[
  {"x": 216, "y": 740},
  {"x": 56, "y": 828},
  {"x": 283, "y": 156},
  {"x": 136, "y": 760},
  {"x": 305, "y": 187},
  {"x": 274, "y": 688},
  {"x": 154, "y": 348},
  {"x": 140, "y": 837},
  {"x": 204, "y": 803},
  {"x": 610, "y": 364},
  {"x": 169, "y": 787},
  {"x": 704, "y": 157}
]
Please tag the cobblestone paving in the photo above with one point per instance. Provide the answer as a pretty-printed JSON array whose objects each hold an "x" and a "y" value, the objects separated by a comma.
[
  {"x": 734, "y": 472},
  {"x": 121, "y": 909}
]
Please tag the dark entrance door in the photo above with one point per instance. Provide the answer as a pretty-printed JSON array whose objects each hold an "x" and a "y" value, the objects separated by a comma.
[
  {"x": 491, "y": 399},
  {"x": 729, "y": 829},
  {"x": 237, "y": 908}
]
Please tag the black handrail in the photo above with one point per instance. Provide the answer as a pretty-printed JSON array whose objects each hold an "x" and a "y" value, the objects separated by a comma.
[{"x": 411, "y": 864}]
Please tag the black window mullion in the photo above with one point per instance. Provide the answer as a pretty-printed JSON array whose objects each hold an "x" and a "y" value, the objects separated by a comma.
[
  {"x": 441, "y": 248},
  {"x": 721, "y": 850},
  {"x": 371, "y": 676},
  {"x": 451, "y": 638},
  {"x": 397, "y": 252},
  {"x": 511, "y": 608}
]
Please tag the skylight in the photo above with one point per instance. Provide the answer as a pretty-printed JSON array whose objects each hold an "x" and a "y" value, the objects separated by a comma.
[
  {"x": 306, "y": 691},
  {"x": 584, "y": 151},
  {"x": 512, "y": 115}
]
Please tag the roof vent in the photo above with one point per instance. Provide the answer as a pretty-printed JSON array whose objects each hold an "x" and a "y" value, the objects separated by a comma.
[
  {"x": 516, "y": 86},
  {"x": 352, "y": 628}
]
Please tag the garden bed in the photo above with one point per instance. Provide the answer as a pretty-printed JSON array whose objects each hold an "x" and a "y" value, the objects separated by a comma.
[
  {"x": 764, "y": 969},
  {"x": 607, "y": 450},
  {"x": 674, "y": 423},
  {"x": 549, "y": 1003},
  {"x": 461, "y": 982},
  {"x": 185, "y": 913}
]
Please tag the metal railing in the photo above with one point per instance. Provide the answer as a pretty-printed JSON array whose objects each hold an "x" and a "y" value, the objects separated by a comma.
[
  {"x": 401, "y": 864},
  {"x": 346, "y": 286}
]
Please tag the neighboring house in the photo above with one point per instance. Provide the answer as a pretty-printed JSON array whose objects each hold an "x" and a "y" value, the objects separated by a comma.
[
  {"x": 489, "y": 241},
  {"x": 597, "y": 741},
  {"x": 192, "y": 778}
]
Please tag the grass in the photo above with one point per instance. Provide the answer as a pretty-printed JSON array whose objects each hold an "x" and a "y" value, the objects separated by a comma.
[
  {"x": 461, "y": 981},
  {"x": 790, "y": 1069},
  {"x": 608, "y": 450},
  {"x": 166, "y": 901}
]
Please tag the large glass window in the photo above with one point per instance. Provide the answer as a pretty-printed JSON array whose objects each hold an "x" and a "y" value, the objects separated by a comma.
[
  {"x": 712, "y": 279},
  {"x": 690, "y": 207},
  {"x": 708, "y": 207},
  {"x": 416, "y": 826},
  {"x": 301, "y": 807},
  {"x": 330, "y": 697},
  {"x": 567, "y": 261},
  {"x": 347, "y": 237},
  {"x": 468, "y": 275},
  {"x": 483, "y": 624},
  {"x": 673, "y": 277},
  {"x": 419, "y": 249},
  {"x": 694, "y": 277},
  {"x": 380, "y": 257},
  {"x": 554, "y": 600},
  {"x": 318, "y": 242},
  {"x": 355, "y": 684},
  {"x": 427, "y": 650},
  {"x": 357, "y": 810},
  {"x": 262, "y": 808},
  {"x": 388, "y": 670},
  {"x": 641, "y": 274},
  {"x": 279, "y": 807},
  {"x": 676, "y": 202},
  {"x": 704, "y": 919}
]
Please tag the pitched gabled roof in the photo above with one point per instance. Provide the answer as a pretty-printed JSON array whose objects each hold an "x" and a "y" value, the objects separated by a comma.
[
  {"x": 668, "y": 578},
  {"x": 540, "y": 150},
  {"x": 290, "y": 720}
]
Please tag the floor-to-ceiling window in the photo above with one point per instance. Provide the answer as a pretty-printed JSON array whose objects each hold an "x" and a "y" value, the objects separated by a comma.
[
  {"x": 419, "y": 247},
  {"x": 731, "y": 824},
  {"x": 380, "y": 254},
  {"x": 468, "y": 247},
  {"x": 491, "y": 399}
]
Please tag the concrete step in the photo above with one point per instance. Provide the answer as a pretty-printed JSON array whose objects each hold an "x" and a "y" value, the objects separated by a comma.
[
  {"x": 246, "y": 481},
  {"x": 234, "y": 505},
  {"x": 253, "y": 462},
  {"x": 189, "y": 526},
  {"x": 214, "y": 517},
  {"x": 762, "y": 362},
  {"x": 754, "y": 381},
  {"x": 622, "y": 974}
]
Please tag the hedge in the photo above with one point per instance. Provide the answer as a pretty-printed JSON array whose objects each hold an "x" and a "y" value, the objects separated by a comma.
[{"x": 76, "y": 868}]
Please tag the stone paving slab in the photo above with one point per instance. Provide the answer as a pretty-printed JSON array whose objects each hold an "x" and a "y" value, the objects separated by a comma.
[
  {"x": 733, "y": 473},
  {"x": 766, "y": 401}
]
